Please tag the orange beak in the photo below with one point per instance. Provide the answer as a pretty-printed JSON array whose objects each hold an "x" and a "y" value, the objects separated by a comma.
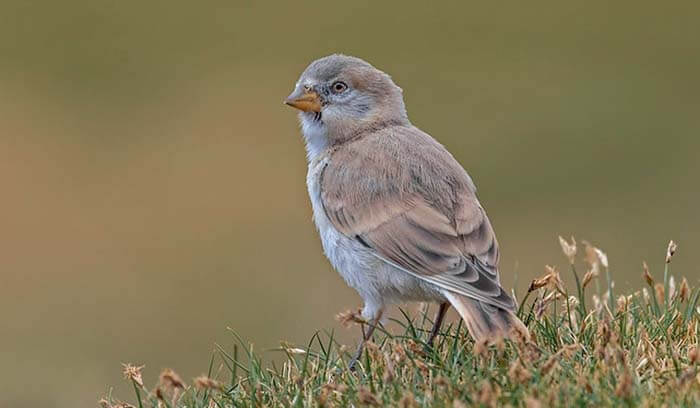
[{"x": 309, "y": 101}]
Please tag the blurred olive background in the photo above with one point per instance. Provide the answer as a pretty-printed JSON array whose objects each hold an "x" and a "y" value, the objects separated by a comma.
[{"x": 153, "y": 184}]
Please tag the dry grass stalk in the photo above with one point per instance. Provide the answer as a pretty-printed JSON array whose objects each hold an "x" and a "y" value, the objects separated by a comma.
[
  {"x": 541, "y": 305},
  {"x": 634, "y": 355},
  {"x": 569, "y": 249},
  {"x": 670, "y": 251},
  {"x": 671, "y": 287},
  {"x": 595, "y": 255}
]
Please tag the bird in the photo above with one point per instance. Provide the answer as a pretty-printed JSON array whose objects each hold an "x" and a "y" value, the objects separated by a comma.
[{"x": 398, "y": 216}]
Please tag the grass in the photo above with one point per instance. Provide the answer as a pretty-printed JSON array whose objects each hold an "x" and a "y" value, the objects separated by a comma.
[{"x": 639, "y": 349}]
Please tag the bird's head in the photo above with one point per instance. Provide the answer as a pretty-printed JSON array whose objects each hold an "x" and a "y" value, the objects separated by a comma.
[{"x": 342, "y": 96}]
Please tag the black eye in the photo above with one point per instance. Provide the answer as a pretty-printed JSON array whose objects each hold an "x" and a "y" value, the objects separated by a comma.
[{"x": 339, "y": 86}]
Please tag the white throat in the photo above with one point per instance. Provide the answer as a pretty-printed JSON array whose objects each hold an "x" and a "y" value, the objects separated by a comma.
[{"x": 315, "y": 136}]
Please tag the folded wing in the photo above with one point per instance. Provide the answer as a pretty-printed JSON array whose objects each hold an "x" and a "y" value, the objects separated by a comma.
[{"x": 424, "y": 220}]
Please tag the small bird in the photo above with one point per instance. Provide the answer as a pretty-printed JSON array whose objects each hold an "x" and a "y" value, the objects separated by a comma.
[{"x": 398, "y": 216}]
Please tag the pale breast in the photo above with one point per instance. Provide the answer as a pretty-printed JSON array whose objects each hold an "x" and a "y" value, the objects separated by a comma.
[{"x": 347, "y": 256}]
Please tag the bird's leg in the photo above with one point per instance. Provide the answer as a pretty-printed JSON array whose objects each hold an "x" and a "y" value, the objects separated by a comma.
[
  {"x": 439, "y": 317},
  {"x": 366, "y": 335}
]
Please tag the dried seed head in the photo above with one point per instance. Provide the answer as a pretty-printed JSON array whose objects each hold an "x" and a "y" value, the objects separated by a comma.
[
  {"x": 322, "y": 397},
  {"x": 595, "y": 256},
  {"x": 204, "y": 382},
  {"x": 694, "y": 355},
  {"x": 670, "y": 251},
  {"x": 585, "y": 383},
  {"x": 532, "y": 402},
  {"x": 389, "y": 373},
  {"x": 602, "y": 256},
  {"x": 624, "y": 385},
  {"x": 551, "y": 277},
  {"x": 348, "y": 317},
  {"x": 423, "y": 368},
  {"x": 591, "y": 257},
  {"x": 500, "y": 344},
  {"x": 170, "y": 379},
  {"x": 481, "y": 348},
  {"x": 592, "y": 273},
  {"x": 399, "y": 354},
  {"x": 133, "y": 373},
  {"x": 408, "y": 401},
  {"x": 487, "y": 395},
  {"x": 573, "y": 301},
  {"x": 568, "y": 249},
  {"x": 415, "y": 348},
  {"x": 258, "y": 392},
  {"x": 659, "y": 290},
  {"x": 519, "y": 337},
  {"x": 550, "y": 364},
  {"x": 104, "y": 403},
  {"x": 366, "y": 397},
  {"x": 621, "y": 304},
  {"x": 159, "y": 394},
  {"x": 687, "y": 376},
  {"x": 330, "y": 387},
  {"x": 555, "y": 279},
  {"x": 298, "y": 380},
  {"x": 541, "y": 305},
  {"x": 372, "y": 349},
  {"x": 519, "y": 374},
  {"x": 540, "y": 308},
  {"x": 388, "y": 376},
  {"x": 538, "y": 283},
  {"x": 458, "y": 404},
  {"x": 684, "y": 290},
  {"x": 647, "y": 275},
  {"x": 441, "y": 381}
]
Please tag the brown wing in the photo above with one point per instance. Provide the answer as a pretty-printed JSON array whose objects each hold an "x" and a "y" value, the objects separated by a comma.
[{"x": 416, "y": 208}]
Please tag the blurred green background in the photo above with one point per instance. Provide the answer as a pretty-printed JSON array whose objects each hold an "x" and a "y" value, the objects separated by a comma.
[{"x": 153, "y": 184}]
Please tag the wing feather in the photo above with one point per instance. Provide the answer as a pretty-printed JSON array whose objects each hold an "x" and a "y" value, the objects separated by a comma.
[{"x": 416, "y": 208}]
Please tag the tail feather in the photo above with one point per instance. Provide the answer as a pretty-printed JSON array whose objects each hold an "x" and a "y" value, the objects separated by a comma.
[{"x": 486, "y": 322}]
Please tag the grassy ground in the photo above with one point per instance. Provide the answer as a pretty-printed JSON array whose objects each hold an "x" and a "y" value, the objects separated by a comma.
[{"x": 638, "y": 349}]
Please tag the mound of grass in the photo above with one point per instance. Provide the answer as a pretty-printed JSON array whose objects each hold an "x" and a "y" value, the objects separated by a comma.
[{"x": 639, "y": 349}]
